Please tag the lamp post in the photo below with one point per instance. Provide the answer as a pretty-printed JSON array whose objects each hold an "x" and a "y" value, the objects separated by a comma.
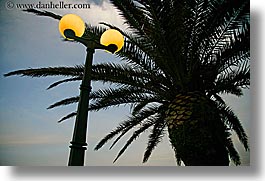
[{"x": 72, "y": 27}]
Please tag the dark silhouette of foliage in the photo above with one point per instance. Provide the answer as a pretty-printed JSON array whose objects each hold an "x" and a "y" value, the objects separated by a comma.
[{"x": 178, "y": 58}]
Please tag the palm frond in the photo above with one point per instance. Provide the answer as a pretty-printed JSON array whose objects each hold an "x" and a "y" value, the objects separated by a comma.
[
  {"x": 138, "y": 55},
  {"x": 49, "y": 71},
  {"x": 234, "y": 123},
  {"x": 104, "y": 98},
  {"x": 126, "y": 75},
  {"x": 155, "y": 137},
  {"x": 67, "y": 117},
  {"x": 233, "y": 81},
  {"x": 117, "y": 92},
  {"x": 132, "y": 15},
  {"x": 139, "y": 106},
  {"x": 178, "y": 159},
  {"x": 125, "y": 126},
  {"x": 219, "y": 21},
  {"x": 135, "y": 135},
  {"x": 236, "y": 51},
  {"x": 234, "y": 55},
  {"x": 233, "y": 154},
  {"x": 139, "y": 121},
  {"x": 64, "y": 102},
  {"x": 43, "y": 13},
  {"x": 64, "y": 81},
  {"x": 106, "y": 102}
]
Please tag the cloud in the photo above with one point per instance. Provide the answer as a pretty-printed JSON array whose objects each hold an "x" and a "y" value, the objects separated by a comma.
[
  {"x": 99, "y": 11},
  {"x": 105, "y": 12},
  {"x": 29, "y": 140}
]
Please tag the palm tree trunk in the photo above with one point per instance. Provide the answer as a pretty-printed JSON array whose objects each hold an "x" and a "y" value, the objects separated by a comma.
[{"x": 196, "y": 131}]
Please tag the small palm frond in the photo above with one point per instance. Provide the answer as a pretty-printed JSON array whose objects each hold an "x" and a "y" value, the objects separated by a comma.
[
  {"x": 135, "y": 55},
  {"x": 233, "y": 154},
  {"x": 139, "y": 121},
  {"x": 155, "y": 137},
  {"x": 131, "y": 14},
  {"x": 73, "y": 114},
  {"x": 107, "y": 102},
  {"x": 235, "y": 52},
  {"x": 233, "y": 81},
  {"x": 64, "y": 81},
  {"x": 49, "y": 71},
  {"x": 178, "y": 159},
  {"x": 64, "y": 102},
  {"x": 125, "y": 126},
  {"x": 43, "y": 13},
  {"x": 223, "y": 18},
  {"x": 233, "y": 122},
  {"x": 126, "y": 75},
  {"x": 93, "y": 32},
  {"x": 119, "y": 91},
  {"x": 140, "y": 105},
  {"x": 135, "y": 135},
  {"x": 235, "y": 55},
  {"x": 104, "y": 98}
]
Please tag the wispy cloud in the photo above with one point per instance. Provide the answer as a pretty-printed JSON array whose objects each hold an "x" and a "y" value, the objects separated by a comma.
[{"x": 27, "y": 140}]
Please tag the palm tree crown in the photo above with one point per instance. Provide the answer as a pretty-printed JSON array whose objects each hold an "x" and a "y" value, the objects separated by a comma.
[{"x": 179, "y": 56}]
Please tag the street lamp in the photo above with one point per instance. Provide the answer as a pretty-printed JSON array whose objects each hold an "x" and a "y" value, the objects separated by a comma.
[{"x": 72, "y": 27}]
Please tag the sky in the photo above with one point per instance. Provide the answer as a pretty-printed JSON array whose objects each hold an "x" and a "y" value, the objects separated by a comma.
[{"x": 29, "y": 133}]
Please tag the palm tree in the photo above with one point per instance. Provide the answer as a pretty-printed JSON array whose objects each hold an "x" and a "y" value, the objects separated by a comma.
[{"x": 178, "y": 58}]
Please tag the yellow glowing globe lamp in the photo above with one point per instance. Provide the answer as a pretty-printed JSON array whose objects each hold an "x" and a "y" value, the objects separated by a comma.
[
  {"x": 114, "y": 37},
  {"x": 72, "y": 22}
]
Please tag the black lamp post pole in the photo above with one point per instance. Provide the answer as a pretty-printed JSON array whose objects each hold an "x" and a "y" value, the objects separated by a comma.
[{"x": 78, "y": 143}]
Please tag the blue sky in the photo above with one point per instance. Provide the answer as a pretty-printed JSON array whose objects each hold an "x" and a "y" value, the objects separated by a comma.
[{"x": 29, "y": 133}]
